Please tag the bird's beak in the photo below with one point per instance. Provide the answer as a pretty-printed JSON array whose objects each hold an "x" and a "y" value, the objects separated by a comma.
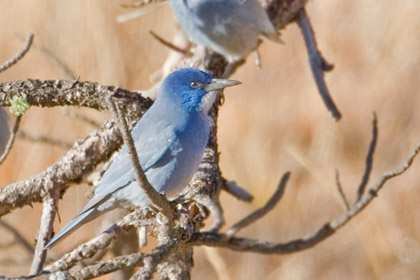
[{"x": 220, "y": 83}]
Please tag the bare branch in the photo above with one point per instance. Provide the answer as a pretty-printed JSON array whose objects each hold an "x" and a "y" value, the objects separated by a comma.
[
  {"x": 12, "y": 61},
  {"x": 232, "y": 188},
  {"x": 149, "y": 263},
  {"x": 250, "y": 245},
  {"x": 158, "y": 200},
  {"x": 47, "y": 219},
  {"x": 259, "y": 213},
  {"x": 44, "y": 139},
  {"x": 71, "y": 93},
  {"x": 105, "y": 267},
  {"x": 369, "y": 159},
  {"x": 77, "y": 162},
  {"x": 158, "y": 255},
  {"x": 18, "y": 237},
  {"x": 317, "y": 62},
  {"x": 169, "y": 44},
  {"x": 90, "y": 248},
  {"x": 11, "y": 139},
  {"x": 340, "y": 190}
]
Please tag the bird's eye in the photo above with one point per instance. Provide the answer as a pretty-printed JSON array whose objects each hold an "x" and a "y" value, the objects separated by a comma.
[{"x": 197, "y": 85}]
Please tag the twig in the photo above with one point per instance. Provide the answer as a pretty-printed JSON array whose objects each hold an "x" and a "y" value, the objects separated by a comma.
[
  {"x": 11, "y": 139},
  {"x": 141, "y": 10},
  {"x": 236, "y": 191},
  {"x": 259, "y": 213},
  {"x": 12, "y": 61},
  {"x": 158, "y": 255},
  {"x": 63, "y": 66},
  {"x": 44, "y": 139},
  {"x": 18, "y": 237},
  {"x": 250, "y": 245},
  {"x": 317, "y": 62},
  {"x": 157, "y": 199},
  {"x": 66, "y": 70},
  {"x": 340, "y": 190},
  {"x": 47, "y": 219},
  {"x": 219, "y": 265},
  {"x": 169, "y": 44},
  {"x": 105, "y": 267},
  {"x": 369, "y": 159},
  {"x": 141, "y": 3},
  {"x": 81, "y": 117}
]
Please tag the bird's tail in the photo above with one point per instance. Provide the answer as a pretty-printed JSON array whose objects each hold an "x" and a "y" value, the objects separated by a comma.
[{"x": 80, "y": 219}]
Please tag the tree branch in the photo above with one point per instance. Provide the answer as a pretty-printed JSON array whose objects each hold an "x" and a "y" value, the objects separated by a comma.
[
  {"x": 369, "y": 158},
  {"x": 44, "y": 139},
  {"x": 71, "y": 93},
  {"x": 340, "y": 190},
  {"x": 169, "y": 44},
  {"x": 232, "y": 188},
  {"x": 81, "y": 159},
  {"x": 9, "y": 63},
  {"x": 90, "y": 248},
  {"x": 18, "y": 237},
  {"x": 47, "y": 219},
  {"x": 317, "y": 62},
  {"x": 213, "y": 239}
]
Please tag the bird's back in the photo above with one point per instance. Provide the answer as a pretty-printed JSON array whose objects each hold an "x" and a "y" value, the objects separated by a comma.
[{"x": 230, "y": 27}]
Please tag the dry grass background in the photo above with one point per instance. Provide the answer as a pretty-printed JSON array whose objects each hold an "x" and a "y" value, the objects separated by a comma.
[{"x": 274, "y": 122}]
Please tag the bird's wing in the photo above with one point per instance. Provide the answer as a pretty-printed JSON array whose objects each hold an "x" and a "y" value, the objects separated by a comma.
[
  {"x": 253, "y": 14},
  {"x": 149, "y": 150}
]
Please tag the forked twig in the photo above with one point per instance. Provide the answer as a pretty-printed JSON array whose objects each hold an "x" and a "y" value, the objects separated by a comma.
[{"x": 340, "y": 190}]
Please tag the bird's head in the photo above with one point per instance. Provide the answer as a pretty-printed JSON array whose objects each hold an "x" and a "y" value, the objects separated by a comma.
[{"x": 193, "y": 89}]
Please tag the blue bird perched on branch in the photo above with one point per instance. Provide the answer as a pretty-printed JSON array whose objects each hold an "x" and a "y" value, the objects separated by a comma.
[
  {"x": 169, "y": 139},
  {"x": 232, "y": 28}
]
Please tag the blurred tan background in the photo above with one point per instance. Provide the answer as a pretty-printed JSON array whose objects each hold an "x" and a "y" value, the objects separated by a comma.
[{"x": 274, "y": 122}]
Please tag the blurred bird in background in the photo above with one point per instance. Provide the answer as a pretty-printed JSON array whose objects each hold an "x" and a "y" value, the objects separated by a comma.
[
  {"x": 233, "y": 28},
  {"x": 4, "y": 130},
  {"x": 170, "y": 140}
]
